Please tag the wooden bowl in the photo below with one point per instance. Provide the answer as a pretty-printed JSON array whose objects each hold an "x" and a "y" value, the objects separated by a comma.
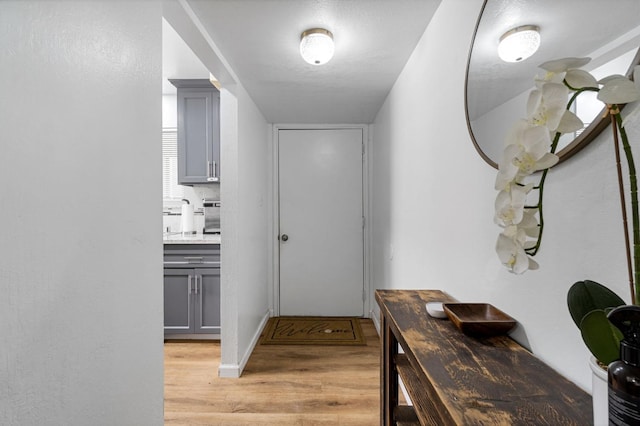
[{"x": 479, "y": 319}]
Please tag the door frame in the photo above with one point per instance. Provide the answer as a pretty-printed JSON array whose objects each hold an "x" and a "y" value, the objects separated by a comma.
[{"x": 274, "y": 249}]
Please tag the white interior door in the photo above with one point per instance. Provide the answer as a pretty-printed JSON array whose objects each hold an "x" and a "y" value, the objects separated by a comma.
[{"x": 321, "y": 222}]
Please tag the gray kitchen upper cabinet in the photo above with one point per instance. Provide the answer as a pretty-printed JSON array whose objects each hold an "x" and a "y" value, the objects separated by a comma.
[{"x": 198, "y": 131}]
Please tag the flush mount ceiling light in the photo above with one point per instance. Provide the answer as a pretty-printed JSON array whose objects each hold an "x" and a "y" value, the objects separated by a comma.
[
  {"x": 519, "y": 43},
  {"x": 316, "y": 46}
]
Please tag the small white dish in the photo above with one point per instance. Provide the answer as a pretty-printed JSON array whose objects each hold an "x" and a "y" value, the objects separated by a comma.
[{"x": 436, "y": 310}]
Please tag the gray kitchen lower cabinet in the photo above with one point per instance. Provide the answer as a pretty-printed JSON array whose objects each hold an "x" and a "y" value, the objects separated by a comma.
[
  {"x": 178, "y": 301},
  {"x": 191, "y": 291},
  {"x": 192, "y": 301},
  {"x": 207, "y": 301}
]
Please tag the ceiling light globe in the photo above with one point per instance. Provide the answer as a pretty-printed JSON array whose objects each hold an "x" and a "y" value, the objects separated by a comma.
[
  {"x": 519, "y": 43},
  {"x": 316, "y": 46}
]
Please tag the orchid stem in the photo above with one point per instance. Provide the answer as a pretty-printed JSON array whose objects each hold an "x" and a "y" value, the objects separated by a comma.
[
  {"x": 634, "y": 279},
  {"x": 540, "y": 187}
]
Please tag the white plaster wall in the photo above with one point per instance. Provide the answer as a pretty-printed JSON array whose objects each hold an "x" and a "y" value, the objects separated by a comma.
[
  {"x": 244, "y": 218},
  {"x": 433, "y": 205},
  {"x": 230, "y": 228},
  {"x": 253, "y": 298},
  {"x": 81, "y": 304}
]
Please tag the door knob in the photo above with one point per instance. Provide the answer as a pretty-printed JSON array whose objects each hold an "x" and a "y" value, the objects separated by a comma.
[{"x": 284, "y": 237}]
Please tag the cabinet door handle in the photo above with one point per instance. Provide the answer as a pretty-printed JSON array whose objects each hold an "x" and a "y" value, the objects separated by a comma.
[
  {"x": 212, "y": 172},
  {"x": 196, "y": 281},
  {"x": 189, "y": 280}
]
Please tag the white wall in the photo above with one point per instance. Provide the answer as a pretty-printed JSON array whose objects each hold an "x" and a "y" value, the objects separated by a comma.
[
  {"x": 81, "y": 304},
  {"x": 244, "y": 217},
  {"x": 253, "y": 179},
  {"x": 433, "y": 205},
  {"x": 252, "y": 284}
]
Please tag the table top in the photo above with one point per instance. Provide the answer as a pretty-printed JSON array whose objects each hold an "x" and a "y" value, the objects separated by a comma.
[{"x": 480, "y": 380}]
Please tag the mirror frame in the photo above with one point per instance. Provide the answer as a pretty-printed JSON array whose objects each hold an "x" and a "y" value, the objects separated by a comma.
[{"x": 585, "y": 137}]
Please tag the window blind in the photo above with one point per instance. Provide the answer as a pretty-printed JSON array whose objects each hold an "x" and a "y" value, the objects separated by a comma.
[{"x": 170, "y": 187}]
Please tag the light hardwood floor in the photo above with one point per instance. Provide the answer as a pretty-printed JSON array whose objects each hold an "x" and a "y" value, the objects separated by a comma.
[{"x": 281, "y": 385}]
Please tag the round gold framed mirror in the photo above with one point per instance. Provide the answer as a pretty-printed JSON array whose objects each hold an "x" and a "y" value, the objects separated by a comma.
[{"x": 496, "y": 91}]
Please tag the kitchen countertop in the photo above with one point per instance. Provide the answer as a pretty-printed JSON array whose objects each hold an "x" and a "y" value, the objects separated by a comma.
[{"x": 199, "y": 238}]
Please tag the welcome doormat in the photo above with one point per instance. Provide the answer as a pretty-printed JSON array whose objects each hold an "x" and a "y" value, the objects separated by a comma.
[{"x": 313, "y": 331}]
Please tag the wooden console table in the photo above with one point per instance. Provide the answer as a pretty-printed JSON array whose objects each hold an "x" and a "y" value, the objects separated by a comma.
[{"x": 454, "y": 379}]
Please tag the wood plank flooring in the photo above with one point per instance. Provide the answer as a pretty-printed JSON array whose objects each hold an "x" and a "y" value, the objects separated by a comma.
[{"x": 281, "y": 385}]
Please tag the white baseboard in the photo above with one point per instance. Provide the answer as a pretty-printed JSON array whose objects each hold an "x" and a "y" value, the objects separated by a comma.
[
  {"x": 254, "y": 341},
  {"x": 230, "y": 371},
  {"x": 376, "y": 320},
  {"x": 234, "y": 371}
]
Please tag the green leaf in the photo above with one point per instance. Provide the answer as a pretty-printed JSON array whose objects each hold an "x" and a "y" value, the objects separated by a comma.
[
  {"x": 586, "y": 296},
  {"x": 601, "y": 337}
]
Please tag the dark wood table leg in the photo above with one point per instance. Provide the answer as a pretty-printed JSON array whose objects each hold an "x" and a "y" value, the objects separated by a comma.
[{"x": 388, "y": 375}]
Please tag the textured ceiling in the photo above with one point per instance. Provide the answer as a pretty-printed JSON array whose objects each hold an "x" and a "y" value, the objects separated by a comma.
[{"x": 260, "y": 39}]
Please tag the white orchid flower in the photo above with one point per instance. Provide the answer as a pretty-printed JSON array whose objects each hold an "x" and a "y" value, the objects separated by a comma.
[
  {"x": 511, "y": 251},
  {"x": 618, "y": 90},
  {"x": 518, "y": 235},
  {"x": 560, "y": 69},
  {"x": 527, "y": 153},
  {"x": 532, "y": 153},
  {"x": 505, "y": 177},
  {"x": 528, "y": 146},
  {"x": 529, "y": 224},
  {"x": 579, "y": 79},
  {"x": 507, "y": 170},
  {"x": 564, "y": 64},
  {"x": 509, "y": 205},
  {"x": 569, "y": 123},
  {"x": 548, "y": 77},
  {"x": 631, "y": 113},
  {"x": 546, "y": 106}
]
